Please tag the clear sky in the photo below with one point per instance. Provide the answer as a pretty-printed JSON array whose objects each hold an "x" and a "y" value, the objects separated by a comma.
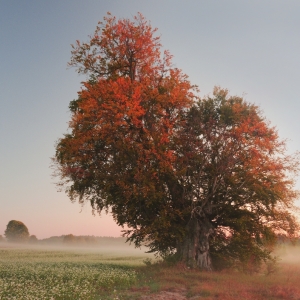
[{"x": 250, "y": 47}]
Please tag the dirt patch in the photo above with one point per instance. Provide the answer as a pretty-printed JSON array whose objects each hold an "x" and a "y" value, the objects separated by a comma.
[
  {"x": 164, "y": 296},
  {"x": 178, "y": 294}
]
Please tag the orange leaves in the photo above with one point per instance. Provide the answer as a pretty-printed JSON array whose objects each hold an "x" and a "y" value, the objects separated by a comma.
[
  {"x": 128, "y": 113},
  {"x": 120, "y": 48}
]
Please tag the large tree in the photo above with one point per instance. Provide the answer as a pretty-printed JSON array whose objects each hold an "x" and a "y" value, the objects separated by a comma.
[{"x": 206, "y": 178}]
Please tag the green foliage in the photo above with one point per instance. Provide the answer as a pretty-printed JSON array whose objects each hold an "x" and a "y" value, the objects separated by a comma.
[
  {"x": 240, "y": 178},
  {"x": 74, "y": 105},
  {"x": 16, "y": 231},
  {"x": 148, "y": 262}
]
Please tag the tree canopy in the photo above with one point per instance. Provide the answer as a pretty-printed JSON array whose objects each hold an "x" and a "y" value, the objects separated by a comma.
[
  {"x": 16, "y": 231},
  {"x": 238, "y": 179},
  {"x": 205, "y": 178}
]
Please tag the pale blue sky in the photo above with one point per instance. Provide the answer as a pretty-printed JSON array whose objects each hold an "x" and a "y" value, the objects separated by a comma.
[{"x": 250, "y": 47}]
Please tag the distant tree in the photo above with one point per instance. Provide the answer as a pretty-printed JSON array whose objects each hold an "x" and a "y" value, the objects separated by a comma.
[
  {"x": 2, "y": 239},
  {"x": 208, "y": 179},
  {"x": 69, "y": 239},
  {"x": 91, "y": 240},
  {"x": 33, "y": 239},
  {"x": 16, "y": 231}
]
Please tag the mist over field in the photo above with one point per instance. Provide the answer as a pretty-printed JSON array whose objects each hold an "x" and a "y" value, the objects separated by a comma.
[
  {"x": 285, "y": 253},
  {"x": 289, "y": 254},
  {"x": 105, "y": 246}
]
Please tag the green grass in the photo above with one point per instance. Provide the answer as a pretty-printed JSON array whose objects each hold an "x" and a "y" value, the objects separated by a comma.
[{"x": 65, "y": 274}]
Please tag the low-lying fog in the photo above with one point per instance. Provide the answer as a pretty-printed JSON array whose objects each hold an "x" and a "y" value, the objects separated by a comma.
[
  {"x": 288, "y": 254},
  {"x": 284, "y": 253},
  {"x": 112, "y": 249}
]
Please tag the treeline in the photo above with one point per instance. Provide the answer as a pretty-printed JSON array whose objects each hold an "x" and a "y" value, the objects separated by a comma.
[
  {"x": 17, "y": 232},
  {"x": 72, "y": 240},
  {"x": 91, "y": 240},
  {"x": 83, "y": 240}
]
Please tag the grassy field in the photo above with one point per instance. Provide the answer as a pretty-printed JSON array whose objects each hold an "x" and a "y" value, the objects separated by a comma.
[
  {"x": 40, "y": 273},
  {"x": 120, "y": 273}
]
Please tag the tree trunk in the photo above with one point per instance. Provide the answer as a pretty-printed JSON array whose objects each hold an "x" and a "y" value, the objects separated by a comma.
[{"x": 194, "y": 249}]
